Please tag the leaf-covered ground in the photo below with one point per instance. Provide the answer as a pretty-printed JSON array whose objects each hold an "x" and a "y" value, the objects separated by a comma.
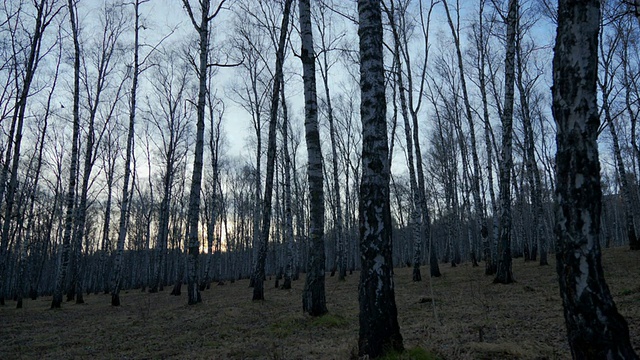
[{"x": 461, "y": 315}]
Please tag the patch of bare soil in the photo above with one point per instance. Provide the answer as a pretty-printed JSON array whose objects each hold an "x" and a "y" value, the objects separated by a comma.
[{"x": 461, "y": 315}]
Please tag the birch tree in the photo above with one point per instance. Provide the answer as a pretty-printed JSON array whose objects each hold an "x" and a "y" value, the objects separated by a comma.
[
  {"x": 111, "y": 150},
  {"x": 415, "y": 220},
  {"x": 206, "y": 16},
  {"x": 170, "y": 119},
  {"x": 595, "y": 328},
  {"x": 288, "y": 213},
  {"x": 504, "y": 273},
  {"x": 327, "y": 41},
  {"x": 476, "y": 174},
  {"x": 28, "y": 246},
  {"x": 608, "y": 46},
  {"x": 116, "y": 272},
  {"x": 313, "y": 297},
  {"x": 259, "y": 270},
  {"x": 252, "y": 95},
  {"x": 379, "y": 329},
  {"x": 105, "y": 60},
  {"x": 24, "y": 65},
  {"x": 61, "y": 274},
  {"x": 482, "y": 45}
]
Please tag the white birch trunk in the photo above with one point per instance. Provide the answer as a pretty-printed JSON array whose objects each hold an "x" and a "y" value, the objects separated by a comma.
[
  {"x": 504, "y": 274},
  {"x": 595, "y": 328},
  {"x": 116, "y": 272},
  {"x": 379, "y": 329},
  {"x": 313, "y": 297},
  {"x": 56, "y": 302},
  {"x": 259, "y": 270}
]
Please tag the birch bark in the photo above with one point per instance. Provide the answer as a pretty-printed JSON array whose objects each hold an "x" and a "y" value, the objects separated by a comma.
[
  {"x": 504, "y": 273},
  {"x": 313, "y": 297},
  {"x": 116, "y": 272},
  {"x": 259, "y": 270},
  {"x": 379, "y": 329},
  {"x": 595, "y": 328},
  {"x": 193, "y": 244},
  {"x": 61, "y": 274},
  {"x": 45, "y": 12}
]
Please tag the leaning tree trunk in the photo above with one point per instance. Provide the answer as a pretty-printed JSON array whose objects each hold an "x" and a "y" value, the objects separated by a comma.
[
  {"x": 595, "y": 328},
  {"x": 379, "y": 329},
  {"x": 504, "y": 273},
  {"x": 259, "y": 271},
  {"x": 43, "y": 17},
  {"x": 31, "y": 216}
]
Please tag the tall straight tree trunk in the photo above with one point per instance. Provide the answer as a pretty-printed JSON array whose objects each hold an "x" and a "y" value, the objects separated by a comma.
[
  {"x": 533, "y": 173},
  {"x": 487, "y": 251},
  {"x": 504, "y": 273},
  {"x": 595, "y": 328},
  {"x": 288, "y": 214},
  {"x": 116, "y": 271},
  {"x": 413, "y": 110},
  {"x": 102, "y": 282},
  {"x": 630, "y": 85},
  {"x": 75, "y": 289},
  {"x": 606, "y": 88},
  {"x": 110, "y": 35},
  {"x": 163, "y": 229},
  {"x": 476, "y": 175},
  {"x": 193, "y": 245},
  {"x": 379, "y": 329},
  {"x": 341, "y": 239},
  {"x": 214, "y": 147},
  {"x": 416, "y": 222},
  {"x": 535, "y": 185},
  {"x": 313, "y": 297},
  {"x": 56, "y": 302},
  {"x": 259, "y": 271}
]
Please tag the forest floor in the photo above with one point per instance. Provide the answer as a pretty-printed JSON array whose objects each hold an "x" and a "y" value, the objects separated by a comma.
[{"x": 460, "y": 315}]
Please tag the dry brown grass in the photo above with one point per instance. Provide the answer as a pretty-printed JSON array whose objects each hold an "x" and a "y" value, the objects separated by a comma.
[{"x": 477, "y": 319}]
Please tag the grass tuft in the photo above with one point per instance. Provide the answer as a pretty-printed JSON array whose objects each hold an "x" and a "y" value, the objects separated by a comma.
[
  {"x": 627, "y": 292},
  {"x": 330, "y": 321},
  {"x": 284, "y": 327},
  {"x": 415, "y": 353}
]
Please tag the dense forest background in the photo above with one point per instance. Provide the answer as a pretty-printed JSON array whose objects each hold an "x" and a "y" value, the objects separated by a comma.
[{"x": 105, "y": 187}]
